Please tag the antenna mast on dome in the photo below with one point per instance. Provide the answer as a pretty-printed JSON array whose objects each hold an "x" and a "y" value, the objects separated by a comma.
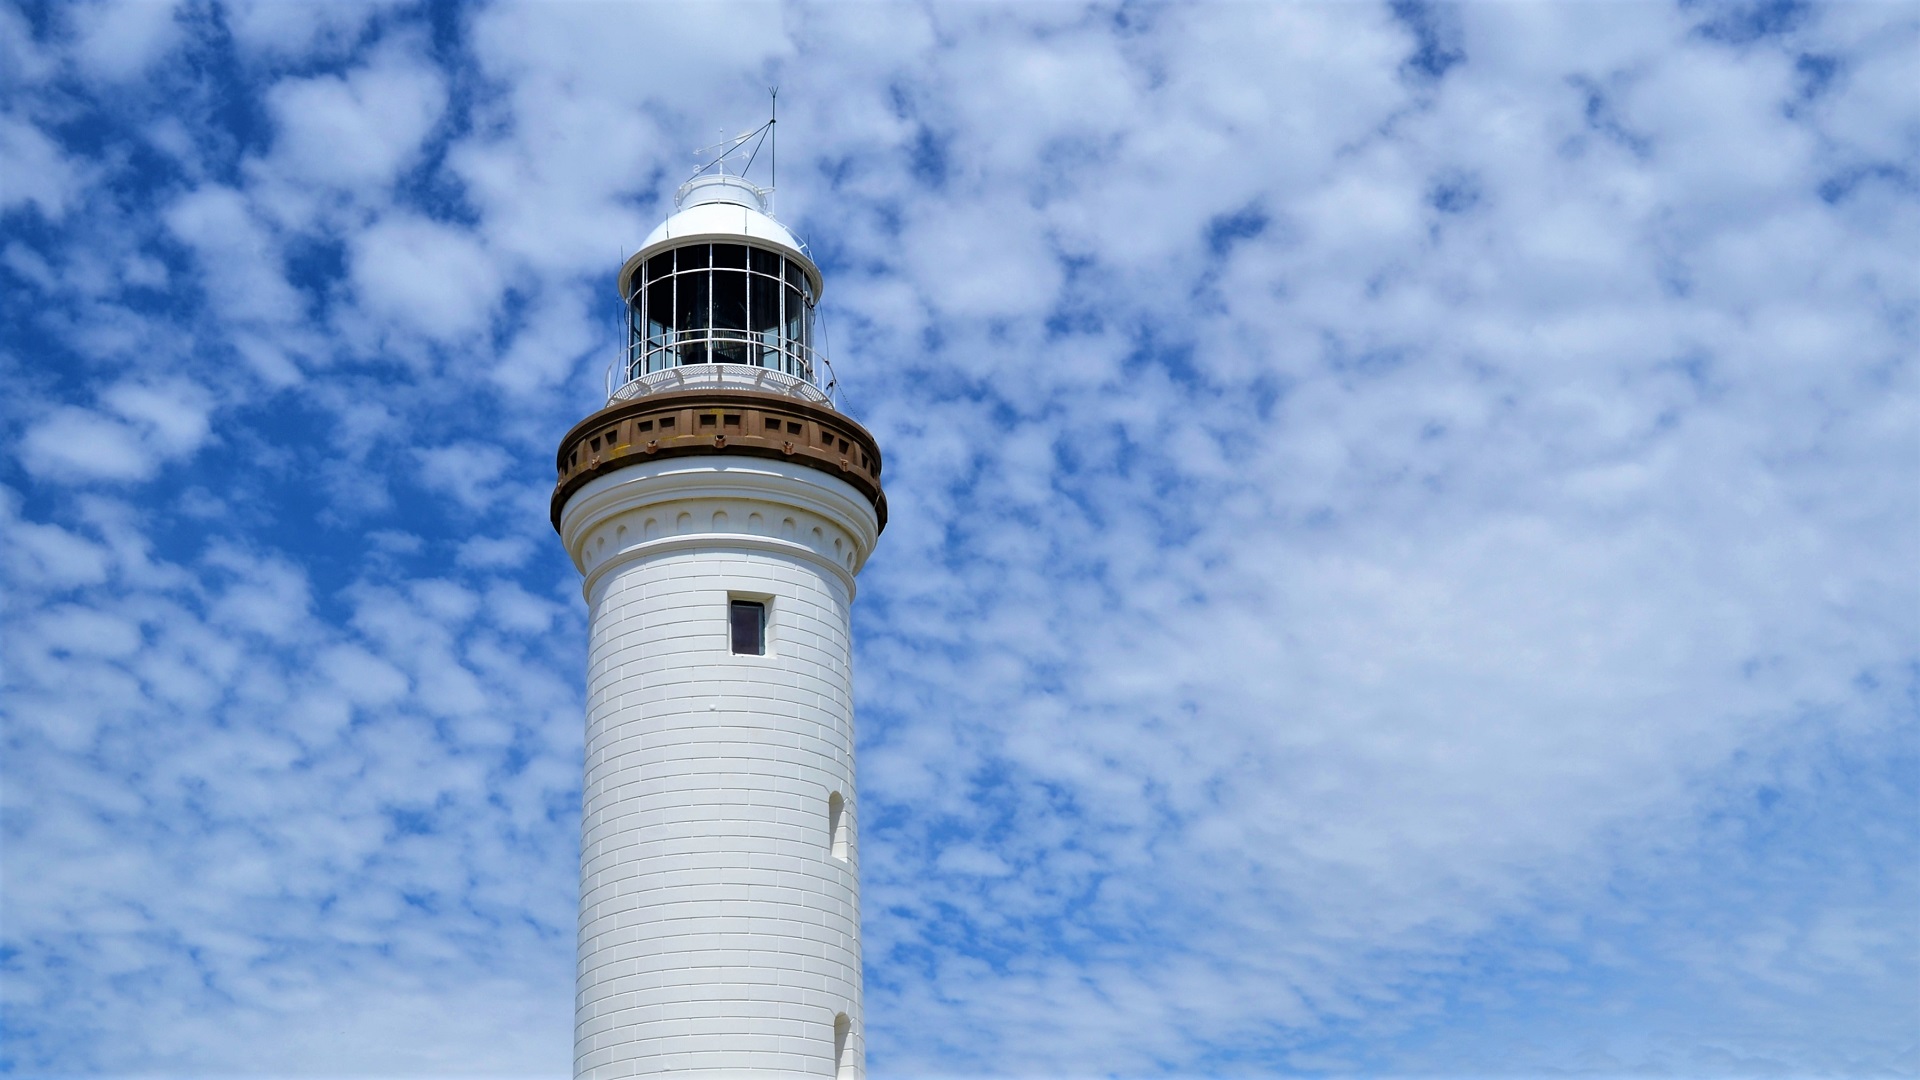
[{"x": 765, "y": 135}]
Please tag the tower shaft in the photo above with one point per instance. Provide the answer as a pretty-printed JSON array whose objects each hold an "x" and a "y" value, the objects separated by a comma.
[{"x": 719, "y": 925}]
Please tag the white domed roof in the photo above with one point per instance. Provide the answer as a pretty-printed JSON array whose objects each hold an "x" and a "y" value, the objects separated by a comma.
[{"x": 719, "y": 207}]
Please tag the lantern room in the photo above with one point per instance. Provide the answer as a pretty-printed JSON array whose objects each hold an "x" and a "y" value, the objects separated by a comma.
[{"x": 720, "y": 282}]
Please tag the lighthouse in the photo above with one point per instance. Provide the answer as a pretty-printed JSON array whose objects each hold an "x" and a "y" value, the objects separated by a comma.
[{"x": 719, "y": 508}]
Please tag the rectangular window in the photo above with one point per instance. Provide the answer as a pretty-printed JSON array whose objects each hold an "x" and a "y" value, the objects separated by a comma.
[{"x": 747, "y": 623}]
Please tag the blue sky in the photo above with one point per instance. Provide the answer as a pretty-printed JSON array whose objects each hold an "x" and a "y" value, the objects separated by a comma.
[{"x": 1403, "y": 541}]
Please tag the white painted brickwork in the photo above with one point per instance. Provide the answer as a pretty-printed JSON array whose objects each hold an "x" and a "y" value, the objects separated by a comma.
[{"x": 719, "y": 932}]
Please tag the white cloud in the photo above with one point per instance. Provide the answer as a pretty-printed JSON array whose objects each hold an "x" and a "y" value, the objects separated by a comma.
[
  {"x": 74, "y": 442},
  {"x": 361, "y": 676},
  {"x": 494, "y": 552},
  {"x": 86, "y": 633},
  {"x": 118, "y": 40},
  {"x": 267, "y": 596},
  {"x": 354, "y": 131},
  {"x": 240, "y": 260},
  {"x": 585, "y": 133},
  {"x": 173, "y": 415},
  {"x": 29, "y": 264},
  {"x": 287, "y": 761},
  {"x": 1867, "y": 112},
  {"x": 53, "y": 556},
  {"x": 22, "y": 60},
  {"x": 143, "y": 271},
  {"x": 387, "y": 540},
  {"x": 273, "y": 29},
  {"x": 424, "y": 277},
  {"x": 472, "y": 473},
  {"x": 517, "y": 611},
  {"x": 37, "y": 172},
  {"x": 144, "y": 426},
  {"x": 555, "y": 334},
  {"x": 972, "y": 861}
]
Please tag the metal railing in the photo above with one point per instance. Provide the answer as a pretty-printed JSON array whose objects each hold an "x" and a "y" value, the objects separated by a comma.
[
  {"x": 719, "y": 359},
  {"x": 678, "y": 348}
]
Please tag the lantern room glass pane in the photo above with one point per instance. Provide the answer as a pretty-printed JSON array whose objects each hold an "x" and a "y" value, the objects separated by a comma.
[
  {"x": 659, "y": 309},
  {"x": 691, "y": 258},
  {"x": 730, "y": 314},
  {"x": 659, "y": 340},
  {"x": 691, "y": 311},
  {"x": 765, "y": 262},
  {"x": 729, "y": 300},
  {"x": 796, "y": 317},
  {"x": 636, "y": 343},
  {"x": 764, "y": 308},
  {"x": 764, "y": 319},
  {"x": 693, "y": 315},
  {"x": 730, "y": 256}
]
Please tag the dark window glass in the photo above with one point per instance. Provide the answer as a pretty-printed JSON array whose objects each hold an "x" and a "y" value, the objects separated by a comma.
[
  {"x": 765, "y": 262},
  {"x": 729, "y": 300},
  {"x": 692, "y": 258},
  {"x": 659, "y": 354},
  {"x": 692, "y": 316},
  {"x": 636, "y": 347},
  {"x": 730, "y": 317},
  {"x": 690, "y": 313},
  {"x": 766, "y": 306},
  {"x": 659, "y": 266},
  {"x": 747, "y": 620},
  {"x": 795, "y": 316},
  {"x": 659, "y": 308},
  {"x": 794, "y": 273},
  {"x": 733, "y": 256}
]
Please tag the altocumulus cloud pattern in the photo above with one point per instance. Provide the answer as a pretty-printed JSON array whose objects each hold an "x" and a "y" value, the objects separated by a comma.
[{"x": 1403, "y": 544}]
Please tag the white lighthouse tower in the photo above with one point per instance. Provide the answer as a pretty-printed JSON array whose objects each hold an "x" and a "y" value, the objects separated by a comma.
[{"x": 719, "y": 508}]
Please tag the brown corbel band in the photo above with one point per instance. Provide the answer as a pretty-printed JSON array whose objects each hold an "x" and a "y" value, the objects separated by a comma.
[{"x": 683, "y": 423}]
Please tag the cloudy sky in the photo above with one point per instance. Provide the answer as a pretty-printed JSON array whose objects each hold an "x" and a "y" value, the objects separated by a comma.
[{"x": 1403, "y": 555}]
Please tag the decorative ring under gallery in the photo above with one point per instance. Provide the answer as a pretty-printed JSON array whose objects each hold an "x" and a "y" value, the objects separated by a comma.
[{"x": 702, "y": 421}]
